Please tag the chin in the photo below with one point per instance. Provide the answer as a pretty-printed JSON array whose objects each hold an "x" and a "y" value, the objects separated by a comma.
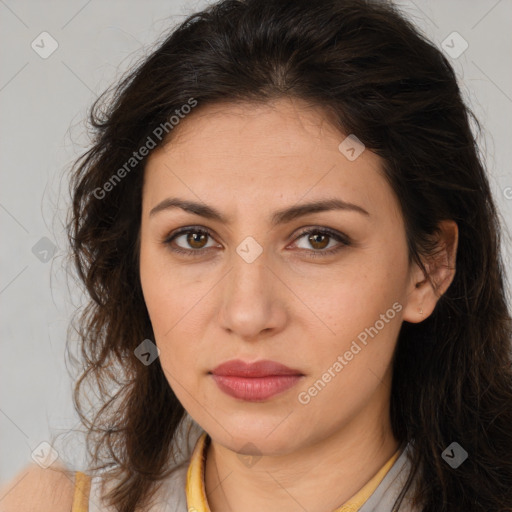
[{"x": 249, "y": 438}]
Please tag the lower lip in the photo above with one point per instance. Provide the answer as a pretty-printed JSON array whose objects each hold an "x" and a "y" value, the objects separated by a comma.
[{"x": 255, "y": 389}]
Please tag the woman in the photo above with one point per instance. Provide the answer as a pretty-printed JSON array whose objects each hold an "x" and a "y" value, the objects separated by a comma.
[{"x": 290, "y": 244}]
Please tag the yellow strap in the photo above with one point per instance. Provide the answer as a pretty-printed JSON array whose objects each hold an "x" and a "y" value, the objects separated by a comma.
[
  {"x": 194, "y": 487},
  {"x": 82, "y": 490},
  {"x": 196, "y": 492},
  {"x": 359, "y": 499}
]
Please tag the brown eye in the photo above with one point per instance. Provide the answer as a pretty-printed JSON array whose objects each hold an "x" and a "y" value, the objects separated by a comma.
[
  {"x": 192, "y": 241},
  {"x": 319, "y": 241},
  {"x": 320, "y": 238},
  {"x": 196, "y": 240}
]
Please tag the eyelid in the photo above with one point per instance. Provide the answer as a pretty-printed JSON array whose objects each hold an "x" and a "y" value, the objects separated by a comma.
[
  {"x": 183, "y": 231},
  {"x": 342, "y": 239}
]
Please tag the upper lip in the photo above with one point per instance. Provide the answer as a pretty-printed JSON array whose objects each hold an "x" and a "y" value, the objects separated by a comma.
[{"x": 263, "y": 368}]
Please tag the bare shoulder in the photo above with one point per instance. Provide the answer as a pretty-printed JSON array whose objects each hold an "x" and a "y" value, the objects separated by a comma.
[{"x": 36, "y": 489}]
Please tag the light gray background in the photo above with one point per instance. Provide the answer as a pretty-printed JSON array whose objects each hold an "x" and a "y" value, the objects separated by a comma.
[{"x": 43, "y": 103}]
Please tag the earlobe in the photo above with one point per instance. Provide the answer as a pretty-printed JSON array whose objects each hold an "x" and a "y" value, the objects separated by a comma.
[
  {"x": 425, "y": 293},
  {"x": 420, "y": 301}
]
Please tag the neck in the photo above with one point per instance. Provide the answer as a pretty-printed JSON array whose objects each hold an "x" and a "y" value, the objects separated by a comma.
[{"x": 321, "y": 476}]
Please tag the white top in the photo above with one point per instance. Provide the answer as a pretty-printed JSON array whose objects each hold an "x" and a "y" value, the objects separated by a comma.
[{"x": 171, "y": 496}]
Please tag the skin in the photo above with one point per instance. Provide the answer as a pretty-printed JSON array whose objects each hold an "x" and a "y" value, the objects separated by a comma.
[{"x": 248, "y": 161}]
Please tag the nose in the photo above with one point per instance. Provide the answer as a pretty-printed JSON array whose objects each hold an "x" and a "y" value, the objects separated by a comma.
[{"x": 252, "y": 299}]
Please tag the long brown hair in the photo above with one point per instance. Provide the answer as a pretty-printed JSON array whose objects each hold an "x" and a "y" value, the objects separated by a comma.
[{"x": 379, "y": 78}]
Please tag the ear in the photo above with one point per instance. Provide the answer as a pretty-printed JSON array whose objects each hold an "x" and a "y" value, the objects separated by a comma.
[{"x": 422, "y": 296}]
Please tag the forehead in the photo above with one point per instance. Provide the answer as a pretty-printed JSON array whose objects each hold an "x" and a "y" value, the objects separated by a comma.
[
  {"x": 282, "y": 151},
  {"x": 282, "y": 128}
]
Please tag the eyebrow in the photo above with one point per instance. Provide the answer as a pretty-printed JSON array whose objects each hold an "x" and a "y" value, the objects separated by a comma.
[{"x": 279, "y": 217}]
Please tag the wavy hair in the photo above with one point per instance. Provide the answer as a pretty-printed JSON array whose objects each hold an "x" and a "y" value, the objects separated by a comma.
[{"x": 376, "y": 76}]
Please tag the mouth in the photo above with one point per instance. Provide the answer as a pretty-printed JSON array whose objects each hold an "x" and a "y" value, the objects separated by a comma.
[{"x": 254, "y": 382}]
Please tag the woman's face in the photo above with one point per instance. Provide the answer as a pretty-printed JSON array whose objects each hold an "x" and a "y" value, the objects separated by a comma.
[{"x": 257, "y": 288}]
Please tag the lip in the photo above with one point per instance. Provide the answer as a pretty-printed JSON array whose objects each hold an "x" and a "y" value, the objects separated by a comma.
[
  {"x": 254, "y": 382},
  {"x": 263, "y": 368}
]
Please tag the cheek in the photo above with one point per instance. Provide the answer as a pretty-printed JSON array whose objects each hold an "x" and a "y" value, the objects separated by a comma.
[
  {"x": 160, "y": 287},
  {"x": 170, "y": 309},
  {"x": 356, "y": 301},
  {"x": 361, "y": 312}
]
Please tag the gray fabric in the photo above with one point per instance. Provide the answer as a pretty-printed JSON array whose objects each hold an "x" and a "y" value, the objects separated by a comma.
[
  {"x": 384, "y": 497},
  {"x": 171, "y": 496}
]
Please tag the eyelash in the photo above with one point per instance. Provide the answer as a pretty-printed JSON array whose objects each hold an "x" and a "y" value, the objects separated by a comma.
[{"x": 312, "y": 253}]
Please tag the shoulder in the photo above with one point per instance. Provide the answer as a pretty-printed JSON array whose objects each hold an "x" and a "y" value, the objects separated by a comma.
[{"x": 36, "y": 489}]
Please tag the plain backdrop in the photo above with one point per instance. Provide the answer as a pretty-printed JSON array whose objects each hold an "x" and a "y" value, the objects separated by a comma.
[{"x": 43, "y": 104}]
